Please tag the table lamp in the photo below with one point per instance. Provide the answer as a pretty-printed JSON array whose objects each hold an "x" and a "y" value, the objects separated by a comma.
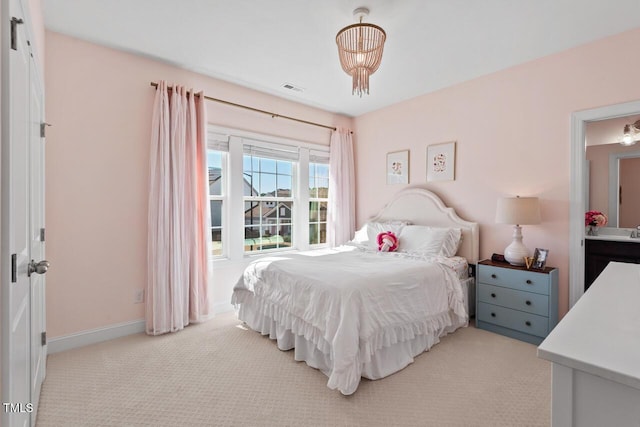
[{"x": 517, "y": 211}]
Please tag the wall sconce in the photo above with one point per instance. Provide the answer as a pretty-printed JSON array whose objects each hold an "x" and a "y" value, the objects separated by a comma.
[
  {"x": 517, "y": 211},
  {"x": 629, "y": 133}
]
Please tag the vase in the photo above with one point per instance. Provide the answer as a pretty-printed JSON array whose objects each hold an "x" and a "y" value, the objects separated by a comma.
[{"x": 592, "y": 230}]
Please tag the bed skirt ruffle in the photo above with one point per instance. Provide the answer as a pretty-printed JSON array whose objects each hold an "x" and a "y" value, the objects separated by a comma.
[{"x": 388, "y": 351}]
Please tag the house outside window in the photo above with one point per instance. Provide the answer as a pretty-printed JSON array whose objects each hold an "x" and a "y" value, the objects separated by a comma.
[{"x": 268, "y": 202}]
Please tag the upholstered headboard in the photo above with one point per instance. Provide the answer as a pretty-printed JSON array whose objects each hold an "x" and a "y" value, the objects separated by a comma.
[{"x": 422, "y": 207}]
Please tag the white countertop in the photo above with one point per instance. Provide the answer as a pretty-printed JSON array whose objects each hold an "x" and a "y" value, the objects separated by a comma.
[
  {"x": 614, "y": 238},
  {"x": 601, "y": 333}
]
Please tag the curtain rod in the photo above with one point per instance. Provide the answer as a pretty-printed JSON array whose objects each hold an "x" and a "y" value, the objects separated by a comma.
[{"x": 274, "y": 115}]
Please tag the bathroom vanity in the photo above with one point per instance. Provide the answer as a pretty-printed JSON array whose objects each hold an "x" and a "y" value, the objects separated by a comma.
[{"x": 606, "y": 247}]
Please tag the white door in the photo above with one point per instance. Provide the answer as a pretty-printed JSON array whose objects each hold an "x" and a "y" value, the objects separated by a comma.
[
  {"x": 22, "y": 209},
  {"x": 37, "y": 239}
]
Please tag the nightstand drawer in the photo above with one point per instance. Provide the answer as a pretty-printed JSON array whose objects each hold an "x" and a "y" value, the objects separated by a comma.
[
  {"x": 510, "y": 298},
  {"x": 516, "y": 279},
  {"x": 513, "y": 319}
]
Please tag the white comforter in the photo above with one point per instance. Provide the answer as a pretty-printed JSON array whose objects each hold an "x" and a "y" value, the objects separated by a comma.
[{"x": 350, "y": 302}]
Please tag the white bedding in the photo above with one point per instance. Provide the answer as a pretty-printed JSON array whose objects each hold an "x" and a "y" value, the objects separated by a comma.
[{"x": 351, "y": 303}]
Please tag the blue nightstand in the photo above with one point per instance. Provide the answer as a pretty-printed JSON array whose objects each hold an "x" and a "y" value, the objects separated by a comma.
[{"x": 516, "y": 302}]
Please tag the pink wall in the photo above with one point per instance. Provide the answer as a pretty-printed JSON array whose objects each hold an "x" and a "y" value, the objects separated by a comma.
[
  {"x": 513, "y": 138},
  {"x": 99, "y": 102}
]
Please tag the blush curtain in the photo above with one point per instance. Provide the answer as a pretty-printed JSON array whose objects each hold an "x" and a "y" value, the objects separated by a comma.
[
  {"x": 177, "y": 280},
  {"x": 341, "y": 222}
]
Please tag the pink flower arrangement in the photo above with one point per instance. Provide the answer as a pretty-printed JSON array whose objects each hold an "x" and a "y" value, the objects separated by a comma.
[{"x": 596, "y": 218}]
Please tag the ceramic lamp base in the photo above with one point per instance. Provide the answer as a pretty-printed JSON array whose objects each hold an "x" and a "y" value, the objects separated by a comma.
[{"x": 516, "y": 251}]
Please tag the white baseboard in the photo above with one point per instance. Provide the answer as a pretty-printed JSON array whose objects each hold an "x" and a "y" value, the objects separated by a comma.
[{"x": 94, "y": 336}]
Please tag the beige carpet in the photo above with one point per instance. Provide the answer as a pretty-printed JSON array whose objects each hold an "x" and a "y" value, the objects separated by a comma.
[{"x": 220, "y": 374}]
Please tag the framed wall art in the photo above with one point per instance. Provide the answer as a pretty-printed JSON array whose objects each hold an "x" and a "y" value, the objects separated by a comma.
[
  {"x": 398, "y": 167},
  {"x": 441, "y": 162}
]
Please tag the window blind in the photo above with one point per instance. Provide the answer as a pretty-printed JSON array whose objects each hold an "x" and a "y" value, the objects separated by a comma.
[
  {"x": 317, "y": 156},
  {"x": 217, "y": 141},
  {"x": 270, "y": 150}
]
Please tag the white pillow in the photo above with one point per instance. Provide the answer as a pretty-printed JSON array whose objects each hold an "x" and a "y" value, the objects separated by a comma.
[
  {"x": 368, "y": 234},
  {"x": 361, "y": 235},
  {"x": 423, "y": 240}
]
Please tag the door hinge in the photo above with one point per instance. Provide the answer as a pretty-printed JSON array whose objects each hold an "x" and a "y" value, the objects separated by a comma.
[
  {"x": 14, "y": 268},
  {"x": 14, "y": 32},
  {"x": 43, "y": 127},
  {"x": 43, "y": 338},
  {"x": 42, "y": 234}
]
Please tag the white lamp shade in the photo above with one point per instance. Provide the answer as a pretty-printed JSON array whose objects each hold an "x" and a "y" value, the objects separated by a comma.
[{"x": 518, "y": 210}]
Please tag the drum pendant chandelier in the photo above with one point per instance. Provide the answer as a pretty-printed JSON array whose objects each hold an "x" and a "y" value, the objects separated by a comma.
[{"x": 360, "y": 49}]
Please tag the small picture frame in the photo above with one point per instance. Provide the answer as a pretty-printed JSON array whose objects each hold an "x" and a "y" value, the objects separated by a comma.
[
  {"x": 398, "y": 167},
  {"x": 441, "y": 162},
  {"x": 540, "y": 258}
]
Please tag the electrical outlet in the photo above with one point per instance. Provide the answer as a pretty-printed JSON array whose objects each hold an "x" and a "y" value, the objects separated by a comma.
[{"x": 138, "y": 297}]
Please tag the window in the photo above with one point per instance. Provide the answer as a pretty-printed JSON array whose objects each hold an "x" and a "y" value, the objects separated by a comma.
[
  {"x": 318, "y": 202},
  {"x": 265, "y": 193},
  {"x": 268, "y": 202},
  {"x": 216, "y": 198}
]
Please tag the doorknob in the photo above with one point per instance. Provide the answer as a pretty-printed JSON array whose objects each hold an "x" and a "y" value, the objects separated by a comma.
[{"x": 38, "y": 267}]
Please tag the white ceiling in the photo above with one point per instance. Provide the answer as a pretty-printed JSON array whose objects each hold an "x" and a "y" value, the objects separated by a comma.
[{"x": 431, "y": 44}]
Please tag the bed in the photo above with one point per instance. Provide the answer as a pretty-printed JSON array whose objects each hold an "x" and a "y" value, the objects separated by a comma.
[{"x": 355, "y": 312}]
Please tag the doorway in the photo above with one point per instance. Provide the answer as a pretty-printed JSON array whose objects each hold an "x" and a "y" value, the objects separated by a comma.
[{"x": 578, "y": 185}]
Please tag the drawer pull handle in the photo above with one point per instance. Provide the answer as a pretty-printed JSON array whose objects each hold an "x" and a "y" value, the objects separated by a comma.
[
  {"x": 493, "y": 295},
  {"x": 527, "y": 323},
  {"x": 528, "y": 282},
  {"x": 527, "y": 302},
  {"x": 493, "y": 315},
  {"x": 493, "y": 276}
]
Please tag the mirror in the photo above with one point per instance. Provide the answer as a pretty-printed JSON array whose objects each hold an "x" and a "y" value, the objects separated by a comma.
[
  {"x": 629, "y": 202},
  {"x": 613, "y": 171}
]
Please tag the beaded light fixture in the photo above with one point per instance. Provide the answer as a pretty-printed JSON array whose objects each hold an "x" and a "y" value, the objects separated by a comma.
[{"x": 360, "y": 49}]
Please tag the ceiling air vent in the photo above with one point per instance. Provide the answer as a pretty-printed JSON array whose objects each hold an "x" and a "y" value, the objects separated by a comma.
[{"x": 294, "y": 88}]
